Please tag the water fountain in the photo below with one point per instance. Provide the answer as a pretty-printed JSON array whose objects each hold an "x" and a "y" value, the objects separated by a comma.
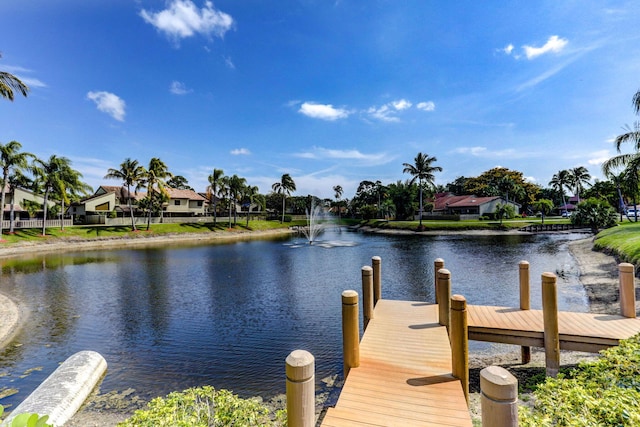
[
  {"x": 314, "y": 227},
  {"x": 317, "y": 222}
]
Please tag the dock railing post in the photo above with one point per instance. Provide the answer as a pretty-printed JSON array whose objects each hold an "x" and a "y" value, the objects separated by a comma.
[
  {"x": 550, "y": 317},
  {"x": 438, "y": 264},
  {"x": 376, "y": 264},
  {"x": 525, "y": 303},
  {"x": 627, "y": 289},
  {"x": 367, "y": 295},
  {"x": 460, "y": 342},
  {"x": 498, "y": 397},
  {"x": 350, "y": 331},
  {"x": 300, "y": 371},
  {"x": 444, "y": 297}
]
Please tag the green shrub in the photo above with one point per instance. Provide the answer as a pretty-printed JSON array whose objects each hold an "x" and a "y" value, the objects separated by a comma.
[
  {"x": 204, "y": 407},
  {"x": 28, "y": 420},
  {"x": 605, "y": 392}
]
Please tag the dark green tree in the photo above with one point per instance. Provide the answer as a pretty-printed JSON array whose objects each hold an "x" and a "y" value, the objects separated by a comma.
[
  {"x": 422, "y": 170},
  {"x": 284, "y": 187},
  {"x": 132, "y": 175}
]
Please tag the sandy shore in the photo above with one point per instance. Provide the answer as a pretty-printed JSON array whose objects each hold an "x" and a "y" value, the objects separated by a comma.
[{"x": 598, "y": 274}]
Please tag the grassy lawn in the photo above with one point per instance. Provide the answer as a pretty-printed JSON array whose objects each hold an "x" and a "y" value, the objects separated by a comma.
[
  {"x": 123, "y": 231},
  {"x": 94, "y": 231},
  {"x": 464, "y": 225},
  {"x": 622, "y": 241}
]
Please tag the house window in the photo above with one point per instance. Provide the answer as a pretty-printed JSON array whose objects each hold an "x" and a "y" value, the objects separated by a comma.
[
  {"x": 199, "y": 203},
  {"x": 176, "y": 202}
]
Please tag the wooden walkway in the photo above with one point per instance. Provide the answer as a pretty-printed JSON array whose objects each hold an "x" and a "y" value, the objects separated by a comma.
[
  {"x": 404, "y": 378},
  {"x": 590, "y": 332}
]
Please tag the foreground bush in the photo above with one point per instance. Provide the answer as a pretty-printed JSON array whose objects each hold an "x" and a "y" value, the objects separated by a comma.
[
  {"x": 204, "y": 407},
  {"x": 605, "y": 392}
]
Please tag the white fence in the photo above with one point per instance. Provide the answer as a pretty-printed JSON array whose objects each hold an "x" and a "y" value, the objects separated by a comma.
[{"x": 36, "y": 223}]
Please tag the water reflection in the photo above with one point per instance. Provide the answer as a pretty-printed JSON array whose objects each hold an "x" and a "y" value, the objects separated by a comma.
[{"x": 228, "y": 315}]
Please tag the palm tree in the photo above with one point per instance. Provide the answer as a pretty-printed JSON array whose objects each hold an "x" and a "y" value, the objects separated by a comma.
[
  {"x": 631, "y": 135},
  {"x": 579, "y": 177},
  {"x": 154, "y": 178},
  {"x": 558, "y": 182},
  {"x": 9, "y": 83},
  {"x": 285, "y": 186},
  {"x": 212, "y": 190},
  {"x": 250, "y": 192},
  {"x": 69, "y": 188},
  {"x": 236, "y": 184},
  {"x": 11, "y": 161},
  {"x": 422, "y": 170},
  {"x": 225, "y": 190},
  {"x": 56, "y": 177},
  {"x": 131, "y": 174},
  {"x": 337, "y": 192}
]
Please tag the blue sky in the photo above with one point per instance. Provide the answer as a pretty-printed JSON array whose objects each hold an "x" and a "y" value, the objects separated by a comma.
[{"x": 331, "y": 92}]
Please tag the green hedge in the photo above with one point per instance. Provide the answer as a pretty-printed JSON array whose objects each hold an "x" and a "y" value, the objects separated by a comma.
[
  {"x": 204, "y": 407},
  {"x": 605, "y": 392}
]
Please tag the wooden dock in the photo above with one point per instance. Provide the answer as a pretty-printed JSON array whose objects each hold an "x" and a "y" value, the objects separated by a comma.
[
  {"x": 404, "y": 377},
  {"x": 590, "y": 332}
]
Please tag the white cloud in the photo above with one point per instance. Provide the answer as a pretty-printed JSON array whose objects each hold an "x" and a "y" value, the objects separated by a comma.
[
  {"x": 484, "y": 152},
  {"x": 426, "y": 106},
  {"x": 401, "y": 104},
  {"x": 240, "y": 152},
  {"x": 597, "y": 158},
  {"x": 508, "y": 49},
  {"x": 229, "y": 63},
  {"x": 555, "y": 44},
  {"x": 178, "y": 88},
  {"x": 383, "y": 113},
  {"x": 323, "y": 111},
  {"x": 109, "y": 103},
  {"x": 320, "y": 153},
  {"x": 182, "y": 19}
]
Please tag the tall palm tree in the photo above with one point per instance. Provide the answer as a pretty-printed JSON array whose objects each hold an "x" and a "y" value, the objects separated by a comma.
[
  {"x": 559, "y": 182},
  {"x": 579, "y": 177},
  {"x": 9, "y": 83},
  {"x": 285, "y": 186},
  {"x": 11, "y": 161},
  {"x": 57, "y": 177},
  {"x": 237, "y": 184},
  {"x": 69, "y": 188},
  {"x": 631, "y": 135},
  {"x": 337, "y": 192},
  {"x": 250, "y": 192},
  {"x": 154, "y": 180},
  {"x": 131, "y": 174},
  {"x": 423, "y": 171},
  {"x": 225, "y": 190},
  {"x": 212, "y": 190}
]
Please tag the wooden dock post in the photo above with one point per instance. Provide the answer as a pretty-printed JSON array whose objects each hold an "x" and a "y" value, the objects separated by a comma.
[
  {"x": 627, "y": 289},
  {"x": 300, "y": 371},
  {"x": 376, "y": 264},
  {"x": 367, "y": 295},
  {"x": 498, "y": 397},
  {"x": 350, "y": 331},
  {"x": 444, "y": 297},
  {"x": 550, "y": 318},
  {"x": 525, "y": 303},
  {"x": 460, "y": 342},
  {"x": 438, "y": 264}
]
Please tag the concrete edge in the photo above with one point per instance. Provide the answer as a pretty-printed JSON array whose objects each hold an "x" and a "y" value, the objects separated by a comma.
[{"x": 65, "y": 390}]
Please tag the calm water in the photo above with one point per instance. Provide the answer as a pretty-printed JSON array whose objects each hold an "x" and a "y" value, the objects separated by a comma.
[{"x": 228, "y": 314}]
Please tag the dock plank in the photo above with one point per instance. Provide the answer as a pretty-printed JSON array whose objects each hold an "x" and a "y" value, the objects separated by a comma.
[{"x": 404, "y": 377}]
